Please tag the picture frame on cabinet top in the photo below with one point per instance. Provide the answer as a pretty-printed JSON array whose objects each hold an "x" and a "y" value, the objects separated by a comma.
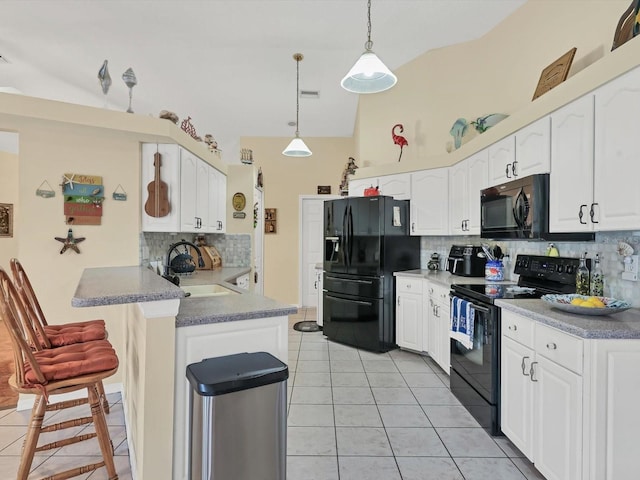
[{"x": 555, "y": 73}]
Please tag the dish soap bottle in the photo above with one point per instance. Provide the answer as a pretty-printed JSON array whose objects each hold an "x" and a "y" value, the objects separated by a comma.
[
  {"x": 582, "y": 277},
  {"x": 597, "y": 279}
]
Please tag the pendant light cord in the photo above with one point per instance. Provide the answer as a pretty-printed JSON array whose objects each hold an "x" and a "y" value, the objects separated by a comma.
[
  {"x": 369, "y": 43},
  {"x": 298, "y": 57}
]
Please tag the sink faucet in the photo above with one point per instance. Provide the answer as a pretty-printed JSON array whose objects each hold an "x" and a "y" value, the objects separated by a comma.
[{"x": 173, "y": 246}]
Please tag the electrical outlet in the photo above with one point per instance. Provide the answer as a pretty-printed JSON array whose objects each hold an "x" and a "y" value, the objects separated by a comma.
[{"x": 630, "y": 268}]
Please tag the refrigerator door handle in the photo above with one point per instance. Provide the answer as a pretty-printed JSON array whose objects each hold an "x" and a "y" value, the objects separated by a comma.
[
  {"x": 367, "y": 282},
  {"x": 350, "y": 234},
  {"x": 349, "y": 301}
]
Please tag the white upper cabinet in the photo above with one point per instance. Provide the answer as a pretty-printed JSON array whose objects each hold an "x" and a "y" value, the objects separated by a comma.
[
  {"x": 397, "y": 186},
  {"x": 502, "y": 154},
  {"x": 524, "y": 153},
  {"x": 196, "y": 191},
  {"x": 458, "y": 198},
  {"x": 429, "y": 202},
  {"x": 217, "y": 201},
  {"x": 533, "y": 151},
  {"x": 168, "y": 172},
  {"x": 466, "y": 179},
  {"x": 617, "y": 169},
  {"x": 571, "y": 180}
]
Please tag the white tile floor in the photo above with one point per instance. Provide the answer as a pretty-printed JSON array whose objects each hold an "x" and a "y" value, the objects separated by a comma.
[
  {"x": 352, "y": 415},
  {"x": 360, "y": 415}
]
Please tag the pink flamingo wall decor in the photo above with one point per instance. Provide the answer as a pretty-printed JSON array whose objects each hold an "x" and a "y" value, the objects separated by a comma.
[{"x": 399, "y": 139}]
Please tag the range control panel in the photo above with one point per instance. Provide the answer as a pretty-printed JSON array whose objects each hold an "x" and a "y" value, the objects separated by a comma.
[{"x": 553, "y": 269}]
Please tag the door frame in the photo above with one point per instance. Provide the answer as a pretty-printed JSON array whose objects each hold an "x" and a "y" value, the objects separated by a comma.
[{"x": 301, "y": 200}]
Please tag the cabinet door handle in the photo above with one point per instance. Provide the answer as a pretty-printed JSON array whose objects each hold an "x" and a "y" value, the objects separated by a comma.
[
  {"x": 524, "y": 366},
  {"x": 592, "y": 213},
  {"x": 315, "y": 285},
  {"x": 413, "y": 227},
  {"x": 438, "y": 311},
  {"x": 532, "y": 371},
  {"x": 462, "y": 225},
  {"x": 552, "y": 346},
  {"x": 580, "y": 214},
  {"x": 513, "y": 327},
  {"x": 398, "y": 301},
  {"x": 506, "y": 170},
  {"x": 513, "y": 169}
]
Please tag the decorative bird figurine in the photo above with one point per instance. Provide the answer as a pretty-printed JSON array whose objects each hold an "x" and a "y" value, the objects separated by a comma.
[
  {"x": 399, "y": 139},
  {"x": 70, "y": 242}
]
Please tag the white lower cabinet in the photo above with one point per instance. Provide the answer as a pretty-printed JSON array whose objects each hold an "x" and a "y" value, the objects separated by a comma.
[
  {"x": 570, "y": 404},
  {"x": 541, "y": 398},
  {"x": 437, "y": 343},
  {"x": 409, "y": 320},
  {"x": 319, "y": 285}
]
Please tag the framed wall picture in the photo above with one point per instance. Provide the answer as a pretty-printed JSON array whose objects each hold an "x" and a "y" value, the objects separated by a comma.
[
  {"x": 554, "y": 74},
  {"x": 270, "y": 221},
  {"x": 6, "y": 220}
]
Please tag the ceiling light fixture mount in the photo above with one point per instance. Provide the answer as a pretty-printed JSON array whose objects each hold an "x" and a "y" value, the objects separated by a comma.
[
  {"x": 297, "y": 147},
  {"x": 369, "y": 74}
]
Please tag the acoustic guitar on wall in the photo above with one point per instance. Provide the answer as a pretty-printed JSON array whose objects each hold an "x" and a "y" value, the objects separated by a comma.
[{"x": 157, "y": 205}]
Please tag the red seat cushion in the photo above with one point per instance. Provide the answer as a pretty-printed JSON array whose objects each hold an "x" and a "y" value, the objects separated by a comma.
[
  {"x": 73, "y": 361},
  {"x": 70, "y": 333}
]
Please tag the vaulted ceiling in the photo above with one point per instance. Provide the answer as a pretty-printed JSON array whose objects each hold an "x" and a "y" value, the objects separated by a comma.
[{"x": 226, "y": 63}]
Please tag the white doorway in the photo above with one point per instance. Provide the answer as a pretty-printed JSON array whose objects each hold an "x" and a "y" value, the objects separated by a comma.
[{"x": 311, "y": 246}]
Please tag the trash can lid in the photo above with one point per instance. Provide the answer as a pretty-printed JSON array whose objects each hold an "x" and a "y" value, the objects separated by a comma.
[{"x": 232, "y": 373}]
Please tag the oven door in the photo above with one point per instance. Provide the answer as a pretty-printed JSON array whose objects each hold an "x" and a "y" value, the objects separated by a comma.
[{"x": 479, "y": 366}]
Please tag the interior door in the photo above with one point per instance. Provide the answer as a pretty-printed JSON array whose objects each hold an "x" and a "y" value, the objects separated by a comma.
[{"x": 311, "y": 246}]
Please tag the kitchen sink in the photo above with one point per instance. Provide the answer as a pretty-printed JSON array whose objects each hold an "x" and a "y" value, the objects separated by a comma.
[{"x": 207, "y": 290}]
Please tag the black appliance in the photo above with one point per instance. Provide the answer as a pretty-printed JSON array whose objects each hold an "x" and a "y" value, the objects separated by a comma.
[
  {"x": 463, "y": 260},
  {"x": 475, "y": 372},
  {"x": 366, "y": 240},
  {"x": 519, "y": 209}
]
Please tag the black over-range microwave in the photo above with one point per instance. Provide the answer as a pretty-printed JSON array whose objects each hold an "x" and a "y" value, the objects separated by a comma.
[{"x": 519, "y": 209}]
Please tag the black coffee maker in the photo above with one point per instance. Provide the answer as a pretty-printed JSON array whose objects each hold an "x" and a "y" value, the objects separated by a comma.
[{"x": 464, "y": 260}]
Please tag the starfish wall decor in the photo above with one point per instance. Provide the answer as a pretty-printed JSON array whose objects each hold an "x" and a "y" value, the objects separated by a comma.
[{"x": 70, "y": 242}]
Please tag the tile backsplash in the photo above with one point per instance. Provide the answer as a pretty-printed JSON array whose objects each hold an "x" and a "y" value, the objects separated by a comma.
[
  {"x": 235, "y": 250},
  {"x": 605, "y": 244}
]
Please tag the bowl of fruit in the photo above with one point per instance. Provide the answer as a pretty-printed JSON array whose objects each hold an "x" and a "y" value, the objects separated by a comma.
[{"x": 586, "y": 305}]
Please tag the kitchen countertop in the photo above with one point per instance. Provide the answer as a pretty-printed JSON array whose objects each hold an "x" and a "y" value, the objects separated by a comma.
[
  {"x": 623, "y": 325},
  {"x": 122, "y": 285},
  {"x": 616, "y": 326}
]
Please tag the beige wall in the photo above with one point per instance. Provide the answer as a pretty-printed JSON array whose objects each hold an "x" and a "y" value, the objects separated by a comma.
[
  {"x": 285, "y": 179},
  {"x": 47, "y": 150},
  {"x": 496, "y": 74},
  {"x": 9, "y": 194}
]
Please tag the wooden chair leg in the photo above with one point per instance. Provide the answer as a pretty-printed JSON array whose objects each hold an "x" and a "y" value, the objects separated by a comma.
[
  {"x": 106, "y": 447},
  {"x": 31, "y": 440},
  {"x": 103, "y": 396}
]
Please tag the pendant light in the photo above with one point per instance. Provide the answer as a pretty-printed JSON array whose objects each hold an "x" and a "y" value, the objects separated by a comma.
[
  {"x": 297, "y": 147},
  {"x": 369, "y": 74}
]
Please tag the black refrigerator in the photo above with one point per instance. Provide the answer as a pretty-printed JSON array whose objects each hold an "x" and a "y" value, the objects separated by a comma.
[{"x": 366, "y": 239}]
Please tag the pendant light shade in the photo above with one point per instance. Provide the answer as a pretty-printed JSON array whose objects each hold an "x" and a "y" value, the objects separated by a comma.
[
  {"x": 369, "y": 74},
  {"x": 297, "y": 147}
]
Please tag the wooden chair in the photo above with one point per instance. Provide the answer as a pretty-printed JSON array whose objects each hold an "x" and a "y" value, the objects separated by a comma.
[
  {"x": 53, "y": 336},
  {"x": 54, "y": 371}
]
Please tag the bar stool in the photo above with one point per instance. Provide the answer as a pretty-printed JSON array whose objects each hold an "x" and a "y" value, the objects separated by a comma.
[
  {"x": 54, "y": 371},
  {"x": 53, "y": 336}
]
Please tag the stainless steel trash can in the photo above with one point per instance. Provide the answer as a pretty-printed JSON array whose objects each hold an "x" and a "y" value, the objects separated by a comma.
[{"x": 238, "y": 418}]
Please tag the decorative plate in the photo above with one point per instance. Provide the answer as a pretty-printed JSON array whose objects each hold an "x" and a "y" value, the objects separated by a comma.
[{"x": 563, "y": 302}]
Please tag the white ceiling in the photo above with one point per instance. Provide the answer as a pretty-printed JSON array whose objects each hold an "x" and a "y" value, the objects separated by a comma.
[{"x": 226, "y": 63}]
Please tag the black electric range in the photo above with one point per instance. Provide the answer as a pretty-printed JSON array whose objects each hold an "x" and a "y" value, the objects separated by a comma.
[{"x": 475, "y": 371}]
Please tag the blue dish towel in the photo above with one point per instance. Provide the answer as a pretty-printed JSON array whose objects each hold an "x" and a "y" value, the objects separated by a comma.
[{"x": 462, "y": 321}]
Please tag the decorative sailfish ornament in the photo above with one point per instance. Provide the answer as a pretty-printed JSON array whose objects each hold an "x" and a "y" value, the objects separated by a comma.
[{"x": 399, "y": 139}]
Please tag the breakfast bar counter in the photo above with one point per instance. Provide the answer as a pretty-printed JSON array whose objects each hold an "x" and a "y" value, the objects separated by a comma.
[{"x": 164, "y": 331}]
